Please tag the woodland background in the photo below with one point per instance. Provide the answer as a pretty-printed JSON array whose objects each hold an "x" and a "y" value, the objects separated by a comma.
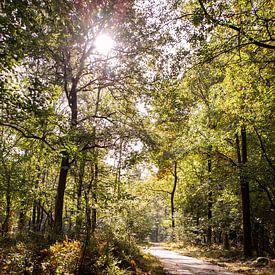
[{"x": 169, "y": 136}]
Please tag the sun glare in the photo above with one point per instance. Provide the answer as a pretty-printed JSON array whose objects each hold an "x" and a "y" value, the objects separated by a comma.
[{"x": 104, "y": 43}]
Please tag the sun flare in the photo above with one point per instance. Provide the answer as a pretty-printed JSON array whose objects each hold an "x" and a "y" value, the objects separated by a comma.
[{"x": 104, "y": 43}]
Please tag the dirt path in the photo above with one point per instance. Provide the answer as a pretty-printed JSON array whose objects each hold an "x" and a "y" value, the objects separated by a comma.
[{"x": 176, "y": 264}]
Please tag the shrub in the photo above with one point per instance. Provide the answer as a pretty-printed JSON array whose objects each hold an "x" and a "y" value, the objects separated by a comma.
[{"x": 62, "y": 257}]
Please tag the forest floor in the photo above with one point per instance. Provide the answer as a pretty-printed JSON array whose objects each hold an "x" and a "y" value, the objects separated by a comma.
[{"x": 197, "y": 260}]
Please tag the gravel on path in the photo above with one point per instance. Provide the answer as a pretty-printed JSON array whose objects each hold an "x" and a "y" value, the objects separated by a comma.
[{"x": 177, "y": 264}]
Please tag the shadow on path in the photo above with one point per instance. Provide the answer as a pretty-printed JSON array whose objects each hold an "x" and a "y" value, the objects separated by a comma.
[{"x": 176, "y": 264}]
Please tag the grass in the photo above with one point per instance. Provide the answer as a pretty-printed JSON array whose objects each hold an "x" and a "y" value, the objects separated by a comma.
[{"x": 231, "y": 259}]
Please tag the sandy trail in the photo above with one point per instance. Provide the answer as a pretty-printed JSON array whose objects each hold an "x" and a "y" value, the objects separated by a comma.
[{"x": 177, "y": 264}]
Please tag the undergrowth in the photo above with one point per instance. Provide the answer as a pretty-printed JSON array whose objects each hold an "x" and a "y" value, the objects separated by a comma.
[{"x": 105, "y": 253}]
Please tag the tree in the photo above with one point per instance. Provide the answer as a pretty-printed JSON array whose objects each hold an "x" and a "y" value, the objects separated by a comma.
[{"x": 71, "y": 66}]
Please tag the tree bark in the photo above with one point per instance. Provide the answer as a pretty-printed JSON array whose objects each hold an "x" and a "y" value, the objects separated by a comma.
[
  {"x": 34, "y": 208},
  {"x": 172, "y": 200},
  {"x": 65, "y": 162},
  {"x": 59, "y": 203},
  {"x": 210, "y": 198},
  {"x": 118, "y": 170},
  {"x": 94, "y": 196},
  {"x": 7, "y": 222},
  {"x": 22, "y": 217},
  {"x": 244, "y": 184},
  {"x": 79, "y": 195},
  {"x": 94, "y": 183},
  {"x": 73, "y": 103}
]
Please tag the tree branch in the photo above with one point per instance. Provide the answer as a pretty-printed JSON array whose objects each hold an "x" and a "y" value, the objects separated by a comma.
[
  {"x": 159, "y": 190},
  {"x": 87, "y": 147},
  {"x": 263, "y": 149},
  {"x": 27, "y": 135},
  {"x": 234, "y": 27},
  {"x": 267, "y": 193},
  {"x": 227, "y": 158}
]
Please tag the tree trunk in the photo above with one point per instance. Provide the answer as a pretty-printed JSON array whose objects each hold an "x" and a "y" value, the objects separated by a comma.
[
  {"x": 226, "y": 244},
  {"x": 244, "y": 184},
  {"x": 59, "y": 203},
  {"x": 172, "y": 200},
  {"x": 6, "y": 227},
  {"x": 79, "y": 195},
  {"x": 225, "y": 234},
  {"x": 209, "y": 217},
  {"x": 73, "y": 103},
  {"x": 94, "y": 196},
  {"x": 94, "y": 183},
  {"x": 36, "y": 213},
  {"x": 65, "y": 162},
  {"x": 210, "y": 198},
  {"x": 118, "y": 170},
  {"x": 34, "y": 208},
  {"x": 22, "y": 217},
  {"x": 39, "y": 216}
]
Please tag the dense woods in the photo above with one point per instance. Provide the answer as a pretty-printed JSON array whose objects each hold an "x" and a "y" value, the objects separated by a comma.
[{"x": 162, "y": 132}]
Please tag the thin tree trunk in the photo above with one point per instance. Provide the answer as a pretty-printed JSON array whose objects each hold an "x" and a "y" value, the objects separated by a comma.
[
  {"x": 34, "y": 208},
  {"x": 94, "y": 196},
  {"x": 118, "y": 171},
  {"x": 225, "y": 237},
  {"x": 244, "y": 184},
  {"x": 22, "y": 217},
  {"x": 41, "y": 217},
  {"x": 88, "y": 228},
  {"x": 7, "y": 222},
  {"x": 245, "y": 199},
  {"x": 210, "y": 198},
  {"x": 38, "y": 217},
  {"x": 209, "y": 217},
  {"x": 95, "y": 152},
  {"x": 79, "y": 195},
  {"x": 172, "y": 200}
]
